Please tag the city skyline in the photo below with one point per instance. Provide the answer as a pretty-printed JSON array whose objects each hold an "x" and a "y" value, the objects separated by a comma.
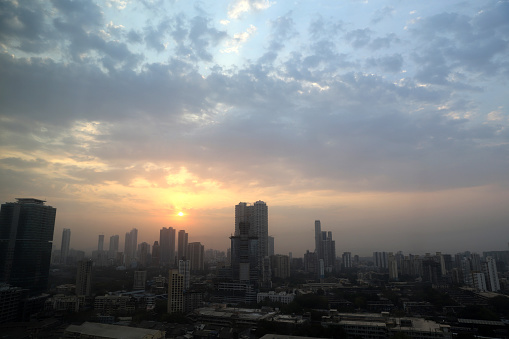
[{"x": 386, "y": 121}]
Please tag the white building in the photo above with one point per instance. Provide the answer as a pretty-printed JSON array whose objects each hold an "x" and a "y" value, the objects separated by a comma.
[
  {"x": 490, "y": 271},
  {"x": 281, "y": 297}
]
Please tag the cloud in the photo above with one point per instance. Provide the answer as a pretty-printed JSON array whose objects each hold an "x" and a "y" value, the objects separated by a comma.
[
  {"x": 382, "y": 13},
  {"x": 238, "y": 7},
  {"x": 233, "y": 45}
]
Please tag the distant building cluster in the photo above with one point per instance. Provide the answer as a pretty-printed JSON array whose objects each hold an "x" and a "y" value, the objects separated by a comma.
[{"x": 244, "y": 274}]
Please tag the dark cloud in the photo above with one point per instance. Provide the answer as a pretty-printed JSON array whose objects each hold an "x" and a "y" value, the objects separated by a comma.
[
  {"x": 358, "y": 37},
  {"x": 391, "y": 63},
  {"x": 382, "y": 13}
]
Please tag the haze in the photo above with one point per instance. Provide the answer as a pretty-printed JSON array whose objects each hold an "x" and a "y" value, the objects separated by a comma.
[{"x": 388, "y": 121}]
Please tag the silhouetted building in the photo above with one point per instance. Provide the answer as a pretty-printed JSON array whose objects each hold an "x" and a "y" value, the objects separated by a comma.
[
  {"x": 100, "y": 243},
  {"x": 195, "y": 253},
  {"x": 26, "y": 233},
  {"x": 64, "y": 247},
  {"x": 156, "y": 254},
  {"x": 244, "y": 249},
  {"x": 185, "y": 270},
  {"x": 144, "y": 257},
  {"x": 175, "y": 292},
  {"x": 84, "y": 278},
  {"x": 131, "y": 244},
  {"x": 271, "y": 246},
  {"x": 325, "y": 248},
  {"x": 140, "y": 279},
  {"x": 347, "y": 259},
  {"x": 167, "y": 244},
  {"x": 113, "y": 250},
  {"x": 280, "y": 266},
  {"x": 182, "y": 245},
  {"x": 256, "y": 216}
]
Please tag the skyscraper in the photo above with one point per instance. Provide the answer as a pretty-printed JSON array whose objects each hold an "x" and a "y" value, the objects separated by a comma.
[
  {"x": 167, "y": 245},
  {"x": 257, "y": 217},
  {"x": 175, "y": 291},
  {"x": 131, "y": 244},
  {"x": 84, "y": 278},
  {"x": 112, "y": 253},
  {"x": 182, "y": 245},
  {"x": 64, "y": 247},
  {"x": 26, "y": 233},
  {"x": 100, "y": 243},
  {"x": 195, "y": 253},
  {"x": 271, "y": 245},
  {"x": 325, "y": 247}
]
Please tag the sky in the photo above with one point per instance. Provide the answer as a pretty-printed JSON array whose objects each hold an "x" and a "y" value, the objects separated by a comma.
[{"x": 386, "y": 120}]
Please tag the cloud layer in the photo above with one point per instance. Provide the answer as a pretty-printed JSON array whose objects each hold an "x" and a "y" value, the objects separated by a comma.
[{"x": 125, "y": 105}]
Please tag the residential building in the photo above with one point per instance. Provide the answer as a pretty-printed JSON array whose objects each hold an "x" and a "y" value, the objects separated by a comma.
[
  {"x": 182, "y": 245},
  {"x": 64, "y": 247},
  {"x": 325, "y": 248},
  {"x": 84, "y": 278},
  {"x": 131, "y": 244},
  {"x": 113, "y": 250},
  {"x": 26, "y": 235},
  {"x": 280, "y": 266},
  {"x": 175, "y": 292},
  {"x": 167, "y": 244},
  {"x": 185, "y": 270},
  {"x": 140, "y": 279},
  {"x": 196, "y": 253}
]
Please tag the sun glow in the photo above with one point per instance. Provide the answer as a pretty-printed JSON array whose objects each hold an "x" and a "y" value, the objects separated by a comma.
[{"x": 180, "y": 214}]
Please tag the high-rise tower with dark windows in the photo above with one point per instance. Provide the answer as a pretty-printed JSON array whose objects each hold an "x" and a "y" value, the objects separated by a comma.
[
  {"x": 64, "y": 248},
  {"x": 167, "y": 244},
  {"x": 26, "y": 235}
]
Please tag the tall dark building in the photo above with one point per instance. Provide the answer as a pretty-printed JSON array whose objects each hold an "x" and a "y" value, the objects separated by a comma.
[
  {"x": 26, "y": 235},
  {"x": 245, "y": 264},
  {"x": 167, "y": 245}
]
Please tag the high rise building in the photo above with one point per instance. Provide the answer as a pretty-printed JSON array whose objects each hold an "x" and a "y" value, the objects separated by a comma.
[
  {"x": 144, "y": 257},
  {"x": 195, "y": 253},
  {"x": 380, "y": 259},
  {"x": 140, "y": 279},
  {"x": 393, "y": 266},
  {"x": 280, "y": 265},
  {"x": 175, "y": 291},
  {"x": 84, "y": 278},
  {"x": 112, "y": 253},
  {"x": 325, "y": 247},
  {"x": 182, "y": 245},
  {"x": 490, "y": 271},
  {"x": 100, "y": 243},
  {"x": 244, "y": 260},
  {"x": 185, "y": 270},
  {"x": 271, "y": 245},
  {"x": 131, "y": 244},
  {"x": 64, "y": 247},
  {"x": 26, "y": 235},
  {"x": 347, "y": 259},
  {"x": 256, "y": 216},
  {"x": 156, "y": 254},
  {"x": 167, "y": 244}
]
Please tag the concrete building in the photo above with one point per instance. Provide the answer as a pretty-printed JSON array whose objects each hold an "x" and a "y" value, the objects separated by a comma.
[
  {"x": 347, "y": 259},
  {"x": 257, "y": 217},
  {"x": 144, "y": 257},
  {"x": 130, "y": 247},
  {"x": 175, "y": 292},
  {"x": 106, "y": 331},
  {"x": 281, "y": 297},
  {"x": 140, "y": 280},
  {"x": 393, "y": 266},
  {"x": 100, "y": 243},
  {"x": 26, "y": 235},
  {"x": 185, "y": 271},
  {"x": 182, "y": 245},
  {"x": 156, "y": 254},
  {"x": 167, "y": 244},
  {"x": 113, "y": 250},
  {"x": 84, "y": 278},
  {"x": 490, "y": 271},
  {"x": 245, "y": 263},
  {"x": 196, "y": 254},
  {"x": 280, "y": 265},
  {"x": 271, "y": 246},
  {"x": 64, "y": 247},
  {"x": 325, "y": 248}
]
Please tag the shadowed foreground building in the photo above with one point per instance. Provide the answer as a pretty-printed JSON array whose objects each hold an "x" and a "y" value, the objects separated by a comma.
[{"x": 26, "y": 235}]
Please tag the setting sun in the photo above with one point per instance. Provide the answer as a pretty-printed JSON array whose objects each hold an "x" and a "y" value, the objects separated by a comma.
[{"x": 180, "y": 214}]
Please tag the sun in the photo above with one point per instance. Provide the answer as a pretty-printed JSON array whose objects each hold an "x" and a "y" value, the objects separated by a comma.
[{"x": 180, "y": 214}]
